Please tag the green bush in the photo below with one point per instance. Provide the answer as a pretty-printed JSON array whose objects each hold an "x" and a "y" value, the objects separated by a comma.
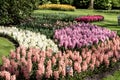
[
  {"x": 66, "y": 2},
  {"x": 13, "y": 11},
  {"x": 44, "y": 2},
  {"x": 81, "y": 3},
  {"x": 116, "y": 4},
  {"x": 55, "y": 1},
  {"x": 103, "y": 4}
]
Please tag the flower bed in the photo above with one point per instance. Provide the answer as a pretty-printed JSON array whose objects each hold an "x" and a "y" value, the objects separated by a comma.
[
  {"x": 29, "y": 38},
  {"x": 81, "y": 35},
  {"x": 62, "y": 7},
  {"x": 89, "y": 18},
  {"x": 36, "y": 64}
]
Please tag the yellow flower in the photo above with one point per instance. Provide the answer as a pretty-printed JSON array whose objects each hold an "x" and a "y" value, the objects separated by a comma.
[{"x": 62, "y": 7}]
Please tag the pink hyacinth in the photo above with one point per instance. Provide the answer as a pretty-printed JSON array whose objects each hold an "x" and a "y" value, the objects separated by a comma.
[
  {"x": 6, "y": 62},
  {"x": 70, "y": 62},
  {"x": 12, "y": 54},
  {"x": 56, "y": 55},
  {"x": 84, "y": 66},
  {"x": 100, "y": 58},
  {"x": 23, "y": 60},
  {"x": 37, "y": 57},
  {"x": 61, "y": 62},
  {"x": 26, "y": 74},
  {"x": 83, "y": 54},
  {"x": 6, "y": 75},
  {"x": 88, "y": 59},
  {"x": 34, "y": 58},
  {"x": 107, "y": 63},
  {"x": 92, "y": 66},
  {"x": 63, "y": 70},
  {"x": 54, "y": 60},
  {"x": 48, "y": 54},
  {"x": 29, "y": 65},
  {"x": 60, "y": 69},
  {"x": 23, "y": 51},
  {"x": 41, "y": 67},
  {"x": 56, "y": 75},
  {"x": 48, "y": 73},
  {"x": 105, "y": 57},
  {"x": 18, "y": 56},
  {"x": 97, "y": 63},
  {"x": 79, "y": 59},
  {"x": 77, "y": 67},
  {"x": 14, "y": 64},
  {"x": 93, "y": 59},
  {"x": 49, "y": 69},
  {"x": 39, "y": 74},
  {"x": 59, "y": 54},
  {"x": 13, "y": 77},
  {"x": 110, "y": 54},
  {"x": 18, "y": 50},
  {"x": 42, "y": 54}
]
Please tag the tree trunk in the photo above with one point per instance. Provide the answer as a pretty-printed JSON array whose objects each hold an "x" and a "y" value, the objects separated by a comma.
[{"x": 91, "y": 4}]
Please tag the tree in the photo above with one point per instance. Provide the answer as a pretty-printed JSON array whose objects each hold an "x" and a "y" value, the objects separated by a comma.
[{"x": 91, "y": 4}]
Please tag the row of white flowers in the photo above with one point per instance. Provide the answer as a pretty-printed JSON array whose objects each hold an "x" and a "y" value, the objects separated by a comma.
[{"x": 29, "y": 39}]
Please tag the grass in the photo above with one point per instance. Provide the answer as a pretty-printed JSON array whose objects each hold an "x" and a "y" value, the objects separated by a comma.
[
  {"x": 110, "y": 20},
  {"x": 115, "y": 76},
  {"x": 5, "y": 47}
]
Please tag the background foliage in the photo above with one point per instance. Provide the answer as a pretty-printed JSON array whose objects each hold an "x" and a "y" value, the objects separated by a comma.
[
  {"x": 98, "y": 4},
  {"x": 13, "y": 11}
]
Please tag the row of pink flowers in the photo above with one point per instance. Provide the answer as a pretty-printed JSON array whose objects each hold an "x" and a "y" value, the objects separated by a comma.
[
  {"x": 23, "y": 61},
  {"x": 80, "y": 35},
  {"x": 90, "y": 18}
]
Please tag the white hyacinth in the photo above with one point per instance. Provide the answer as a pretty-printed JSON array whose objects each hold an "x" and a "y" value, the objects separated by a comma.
[{"x": 29, "y": 39}]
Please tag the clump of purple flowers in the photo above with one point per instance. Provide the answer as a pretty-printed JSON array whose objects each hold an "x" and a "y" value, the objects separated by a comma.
[
  {"x": 89, "y": 18},
  {"x": 82, "y": 35}
]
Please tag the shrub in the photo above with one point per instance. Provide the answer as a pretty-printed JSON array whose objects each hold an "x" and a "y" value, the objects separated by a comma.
[
  {"x": 80, "y": 35},
  {"x": 67, "y": 2},
  {"x": 57, "y": 7},
  {"x": 90, "y": 18},
  {"x": 55, "y": 1},
  {"x": 44, "y": 2},
  {"x": 116, "y": 4},
  {"x": 103, "y": 4},
  {"x": 81, "y": 3},
  {"x": 12, "y": 12},
  {"x": 34, "y": 64}
]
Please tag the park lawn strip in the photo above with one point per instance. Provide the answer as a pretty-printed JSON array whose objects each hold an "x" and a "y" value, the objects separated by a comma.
[
  {"x": 5, "y": 47},
  {"x": 110, "y": 19},
  {"x": 115, "y": 76}
]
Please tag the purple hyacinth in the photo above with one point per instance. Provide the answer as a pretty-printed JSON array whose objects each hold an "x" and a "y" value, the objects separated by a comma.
[{"x": 82, "y": 35}]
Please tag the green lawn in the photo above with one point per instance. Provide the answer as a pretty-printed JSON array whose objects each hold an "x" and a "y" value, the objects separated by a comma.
[
  {"x": 5, "y": 47},
  {"x": 110, "y": 20},
  {"x": 115, "y": 76}
]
